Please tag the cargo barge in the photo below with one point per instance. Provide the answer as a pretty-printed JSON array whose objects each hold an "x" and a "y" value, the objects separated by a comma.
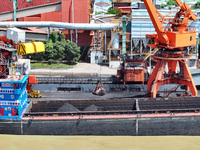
[
  {"x": 125, "y": 116},
  {"x": 113, "y": 116}
]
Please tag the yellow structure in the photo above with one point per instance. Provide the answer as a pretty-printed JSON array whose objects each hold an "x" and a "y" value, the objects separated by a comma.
[
  {"x": 30, "y": 48},
  {"x": 38, "y": 47},
  {"x": 34, "y": 94}
]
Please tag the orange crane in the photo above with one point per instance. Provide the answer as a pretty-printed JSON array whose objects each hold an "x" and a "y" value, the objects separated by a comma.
[{"x": 171, "y": 42}]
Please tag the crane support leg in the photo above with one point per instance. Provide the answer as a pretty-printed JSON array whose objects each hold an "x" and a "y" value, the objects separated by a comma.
[
  {"x": 158, "y": 77},
  {"x": 152, "y": 77},
  {"x": 187, "y": 75}
]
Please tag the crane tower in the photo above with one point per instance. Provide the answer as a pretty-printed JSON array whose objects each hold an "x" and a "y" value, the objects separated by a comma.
[{"x": 172, "y": 42}]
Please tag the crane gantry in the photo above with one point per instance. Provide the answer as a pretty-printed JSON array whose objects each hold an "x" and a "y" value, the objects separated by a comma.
[{"x": 171, "y": 41}]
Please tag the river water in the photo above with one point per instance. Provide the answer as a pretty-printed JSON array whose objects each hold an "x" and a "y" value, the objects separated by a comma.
[{"x": 24, "y": 142}]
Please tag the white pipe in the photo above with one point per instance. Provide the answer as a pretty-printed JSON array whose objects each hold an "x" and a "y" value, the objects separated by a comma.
[{"x": 70, "y": 26}]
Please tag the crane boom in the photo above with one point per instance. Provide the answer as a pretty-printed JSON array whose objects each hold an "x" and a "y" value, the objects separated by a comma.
[
  {"x": 177, "y": 34},
  {"x": 156, "y": 22}
]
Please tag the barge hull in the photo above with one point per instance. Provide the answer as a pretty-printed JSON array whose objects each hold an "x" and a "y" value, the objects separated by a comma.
[
  {"x": 189, "y": 125},
  {"x": 124, "y": 116}
]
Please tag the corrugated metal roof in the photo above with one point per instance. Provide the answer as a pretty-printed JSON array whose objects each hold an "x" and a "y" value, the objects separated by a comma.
[
  {"x": 7, "y": 5},
  {"x": 103, "y": 4},
  {"x": 28, "y": 29}
]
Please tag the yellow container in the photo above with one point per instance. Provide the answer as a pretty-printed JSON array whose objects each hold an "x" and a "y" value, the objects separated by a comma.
[
  {"x": 25, "y": 48},
  {"x": 39, "y": 47},
  {"x": 29, "y": 48}
]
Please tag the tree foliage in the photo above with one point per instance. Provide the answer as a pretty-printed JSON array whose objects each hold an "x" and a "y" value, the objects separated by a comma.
[
  {"x": 111, "y": 10},
  {"x": 196, "y": 5},
  {"x": 72, "y": 52},
  {"x": 171, "y": 2},
  {"x": 58, "y": 49},
  {"x": 163, "y": 5}
]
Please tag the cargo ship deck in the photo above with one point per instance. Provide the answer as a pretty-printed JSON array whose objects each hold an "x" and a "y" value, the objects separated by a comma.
[{"x": 118, "y": 113}]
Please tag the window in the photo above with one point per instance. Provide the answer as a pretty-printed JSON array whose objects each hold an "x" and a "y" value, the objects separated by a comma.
[
  {"x": 48, "y": 0},
  {"x": 191, "y": 38},
  {"x": 28, "y": 1}
]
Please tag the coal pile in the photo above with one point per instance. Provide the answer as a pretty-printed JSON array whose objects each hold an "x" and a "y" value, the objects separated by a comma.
[
  {"x": 93, "y": 108},
  {"x": 67, "y": 108}
]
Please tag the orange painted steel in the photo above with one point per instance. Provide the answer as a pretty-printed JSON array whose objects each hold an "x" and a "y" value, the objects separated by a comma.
[
  {"x": 32, "y": 80},
  {"x": 132, "y": 70},
  {"x": 133, "y": 75},
  {"x": 176, "y": 34},
  {"x": 158, "y": 77},
  {"x": 172, "y": 40}
]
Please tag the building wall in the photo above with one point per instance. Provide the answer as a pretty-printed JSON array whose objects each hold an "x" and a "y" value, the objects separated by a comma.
[
  {"x": 84, "y": 37},
  {"x": 81, "y": 15},
  {"x": 81, "y": 11}
]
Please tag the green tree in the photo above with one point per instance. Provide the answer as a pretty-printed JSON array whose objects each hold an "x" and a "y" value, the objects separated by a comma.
[
  {"x": 61, "y": 37},
  {"x": 163, "y": 5},
  {"x": 111, "y": 10},
  {"x": 171, "y": 2},
  {"x": 49, "y": 51},
  {"x": 55, "y": 52},
  {"x": 196, "y": 5},
  {"x": 54, "y": 36},
  {"x": 72, "y": 52},
  {"x": 58, "y": 49}
]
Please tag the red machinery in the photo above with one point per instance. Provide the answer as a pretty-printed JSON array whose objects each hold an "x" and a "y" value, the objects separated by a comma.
[
  {"x": 171, "y": 41},
  {"x": 32, "y": 80},
  {"x": 132, "y": 70},
  {"x": 6, "y": 47}
]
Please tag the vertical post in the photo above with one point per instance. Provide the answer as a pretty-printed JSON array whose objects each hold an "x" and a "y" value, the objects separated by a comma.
[
  {"x": 197, "y": 51},
  {"x": 140, "y": 46},
  {"x": 71, "y": 36},
  {"x": 109, "y": 57},
  {"x": 94, "y": 40},
  {"x": 72, "y": 11},
  {"x": 105, "y": 46},
  {"x": 131, "y": 36},
  {"x": 197, "y": 48},
  {"x": 48, "y": 33},
  {"x": 150, "y": 60},
  {"x": 76, "y": 37},
  {"x": 14, "y": 9},
  {"x": 123, "y": 34}
]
